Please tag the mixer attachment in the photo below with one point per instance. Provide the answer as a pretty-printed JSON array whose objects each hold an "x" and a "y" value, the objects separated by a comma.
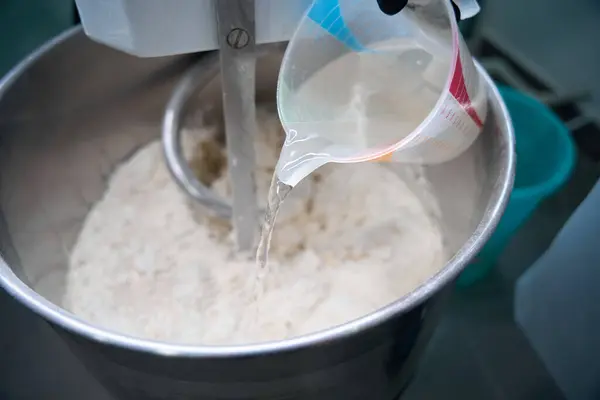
[{"x": 237, "y": 60}]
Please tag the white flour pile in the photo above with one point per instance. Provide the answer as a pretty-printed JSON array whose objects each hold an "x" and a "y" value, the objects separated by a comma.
[{"x": 348, "y": 241}]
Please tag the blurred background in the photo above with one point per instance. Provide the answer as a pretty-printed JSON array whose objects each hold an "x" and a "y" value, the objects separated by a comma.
[{"x": 523, "y": 319}]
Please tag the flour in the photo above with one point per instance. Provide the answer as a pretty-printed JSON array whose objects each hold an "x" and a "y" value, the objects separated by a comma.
[{"x": 147, "y": 263}]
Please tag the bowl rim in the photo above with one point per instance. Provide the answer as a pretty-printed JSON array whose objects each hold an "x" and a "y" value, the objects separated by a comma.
[{"x": 73, "y": 324}]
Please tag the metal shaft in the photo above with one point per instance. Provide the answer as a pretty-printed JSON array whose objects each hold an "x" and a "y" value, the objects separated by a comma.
[{"x": 236, "y": 30}]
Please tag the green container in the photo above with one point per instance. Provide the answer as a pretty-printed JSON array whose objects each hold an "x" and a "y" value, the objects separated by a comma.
[
  {"x": 27, "y": 24},
  {"x": 545, "y": 159}
]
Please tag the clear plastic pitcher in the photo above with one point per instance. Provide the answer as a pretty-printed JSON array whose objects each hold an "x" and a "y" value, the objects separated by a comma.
[{"x": 358, "y": 85}]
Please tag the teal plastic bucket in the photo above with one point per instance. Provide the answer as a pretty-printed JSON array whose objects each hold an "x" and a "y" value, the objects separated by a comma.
[{"x": 545, "y": 159}]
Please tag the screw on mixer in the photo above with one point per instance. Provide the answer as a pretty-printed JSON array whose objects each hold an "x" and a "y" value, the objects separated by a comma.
[{"x": 238, "y": 38}]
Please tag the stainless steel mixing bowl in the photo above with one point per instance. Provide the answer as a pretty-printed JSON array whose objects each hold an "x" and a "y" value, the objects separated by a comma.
[{"x": 74, "y": 109}]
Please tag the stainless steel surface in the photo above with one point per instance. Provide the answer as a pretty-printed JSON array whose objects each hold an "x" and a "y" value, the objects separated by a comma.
[
  {"x": 75, "y": 110},
  {"x": 198, "y": 76},
  {"x": 235, "y": 21}
]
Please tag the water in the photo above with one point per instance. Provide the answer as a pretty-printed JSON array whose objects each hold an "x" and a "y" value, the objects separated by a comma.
[
  {"x": 357, "y": 105},
  {"x": 278, "y": 191},
  {"x": 350, "y": 104}
]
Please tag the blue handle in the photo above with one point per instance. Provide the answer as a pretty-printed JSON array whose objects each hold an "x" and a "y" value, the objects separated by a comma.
[{"x": 327, "y": 14}]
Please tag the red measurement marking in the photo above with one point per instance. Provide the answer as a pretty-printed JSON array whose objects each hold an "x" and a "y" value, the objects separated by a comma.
[
  {"x": 458, "y": 89},
  {"x": 449, "y": 115}
]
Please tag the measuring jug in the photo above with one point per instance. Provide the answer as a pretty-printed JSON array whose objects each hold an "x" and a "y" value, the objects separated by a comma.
[{"x": 358, "y": 85}]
